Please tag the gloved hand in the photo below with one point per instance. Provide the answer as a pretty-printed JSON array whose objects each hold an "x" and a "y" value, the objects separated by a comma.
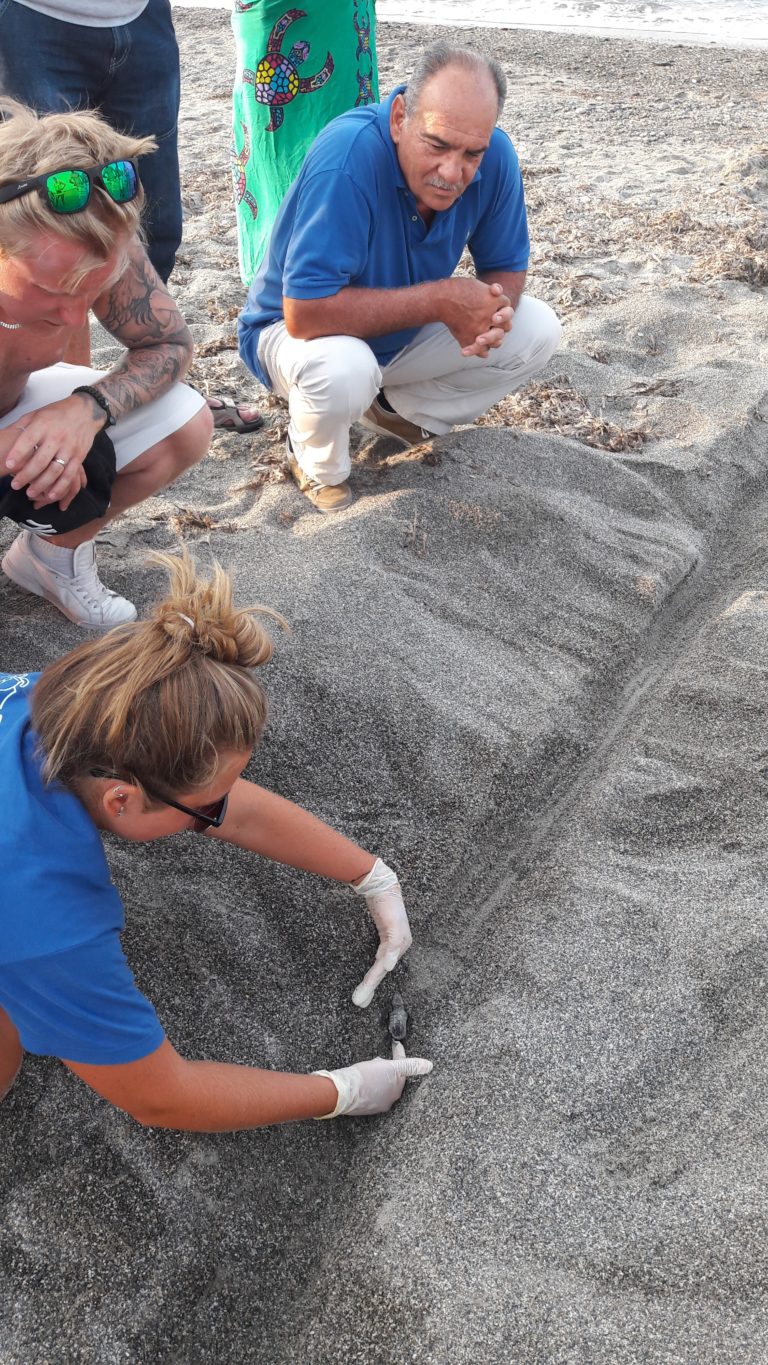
[
  {"x": 385, "y": 906},
  {"x": 373, "y": 1087}
]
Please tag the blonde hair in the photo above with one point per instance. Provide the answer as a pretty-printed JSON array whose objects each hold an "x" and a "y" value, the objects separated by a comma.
[
  {"x": 33, "y": 144},
  {"x": 156, "y": 702}
]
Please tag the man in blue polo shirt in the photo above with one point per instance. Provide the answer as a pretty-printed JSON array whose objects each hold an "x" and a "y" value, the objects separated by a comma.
[{"x": 355, "y": 313}]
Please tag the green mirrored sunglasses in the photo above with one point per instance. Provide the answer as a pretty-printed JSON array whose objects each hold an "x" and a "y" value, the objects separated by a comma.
[{"x": 68, "y": 191}]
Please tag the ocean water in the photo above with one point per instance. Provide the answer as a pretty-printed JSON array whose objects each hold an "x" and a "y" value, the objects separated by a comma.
[{"x": 734, "y": 23}]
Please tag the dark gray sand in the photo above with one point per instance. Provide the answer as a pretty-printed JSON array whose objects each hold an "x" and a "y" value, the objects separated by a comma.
[{"x": 529, "y": 667}]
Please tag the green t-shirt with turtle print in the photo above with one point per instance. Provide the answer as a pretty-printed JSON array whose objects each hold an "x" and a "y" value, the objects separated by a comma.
[{"x": 296, "y": 70}]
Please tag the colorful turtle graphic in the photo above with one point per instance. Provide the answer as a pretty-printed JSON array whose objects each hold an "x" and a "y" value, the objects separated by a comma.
[
  {"x": 239, "y": 163},
  {"x": 276, "y": 81}
]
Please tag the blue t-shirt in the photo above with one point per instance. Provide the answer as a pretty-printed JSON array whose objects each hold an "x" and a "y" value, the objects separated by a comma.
[
  {"x": 350, "y": 219},
  {"x": 64, "y": 979}
]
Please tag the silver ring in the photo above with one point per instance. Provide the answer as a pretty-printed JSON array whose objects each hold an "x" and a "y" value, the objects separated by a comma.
[{"x": 56, "y": 460}]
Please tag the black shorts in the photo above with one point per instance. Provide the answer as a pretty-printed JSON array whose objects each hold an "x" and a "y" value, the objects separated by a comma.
[{"x": 91, "y": 502}]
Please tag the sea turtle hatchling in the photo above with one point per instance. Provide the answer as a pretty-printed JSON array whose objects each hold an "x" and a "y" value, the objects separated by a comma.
[{"x": 276, "y": 81}]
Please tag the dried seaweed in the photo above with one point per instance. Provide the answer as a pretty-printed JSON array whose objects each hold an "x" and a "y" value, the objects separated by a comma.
[
  {"x": 187, "y": 519},
  {"x": 226, "y": 343},
  {"x": 728, "y": 240},
  {"x": 556, "y": 406},
  {"x": 415, "y": 537},
  {"x": 744, "y": 257},
  {"x": 263, "y": 474}
]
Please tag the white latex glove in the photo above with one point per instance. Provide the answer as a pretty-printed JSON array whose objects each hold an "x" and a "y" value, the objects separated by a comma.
[
  {"x": 385, "y": 907},
  {"x": 373, "y": 1087}
]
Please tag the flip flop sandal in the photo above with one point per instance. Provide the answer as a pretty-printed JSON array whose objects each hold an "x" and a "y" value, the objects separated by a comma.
[{"x": 226, "y": 416}]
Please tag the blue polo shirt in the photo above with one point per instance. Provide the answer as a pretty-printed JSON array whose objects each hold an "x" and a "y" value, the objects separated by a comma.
[
  {"x": 64, "y": 979},
  {"x": 350, "y": 219}
]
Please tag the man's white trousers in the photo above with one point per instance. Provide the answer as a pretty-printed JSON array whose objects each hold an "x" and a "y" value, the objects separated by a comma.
[{"x": 330, "y": 382}]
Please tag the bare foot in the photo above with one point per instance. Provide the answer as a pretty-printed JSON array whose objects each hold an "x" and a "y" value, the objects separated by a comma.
[{"x": 229, "y": 415}]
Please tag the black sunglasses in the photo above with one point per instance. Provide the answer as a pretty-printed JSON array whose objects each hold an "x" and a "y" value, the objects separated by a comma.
[
  {"x": 207, "y": 817},
  {"x": 68, "y": 191}
]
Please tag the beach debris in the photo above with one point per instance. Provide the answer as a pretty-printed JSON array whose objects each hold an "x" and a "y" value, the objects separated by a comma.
[
  {"x": 415, "y": 537},
  {"x": 226, "y": 312},
  {"x": 261, "y": 474},
  {"x": 665, "y": 388},
  {"x": 191, "y": 519},
  {"x": 219, "y": 344},
  {"x": 533, "y": 172},
  {"x": 725, "y": 240},
  {"x": 744, "y": 258},
  {"x": 398, "y": 1018},
  {"x": 557, "y": 406},
  {"x": 186, "y": 519}
]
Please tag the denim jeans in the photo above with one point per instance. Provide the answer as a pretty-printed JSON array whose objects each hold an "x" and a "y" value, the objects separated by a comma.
[{"x": 130, "y": 73}]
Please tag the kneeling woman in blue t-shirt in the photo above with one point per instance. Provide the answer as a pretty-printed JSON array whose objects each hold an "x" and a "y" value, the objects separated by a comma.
[{"x": 146, "y": 732}]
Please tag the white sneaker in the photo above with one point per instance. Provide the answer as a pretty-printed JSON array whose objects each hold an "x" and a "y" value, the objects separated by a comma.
[{"x": 81, "y": 596}]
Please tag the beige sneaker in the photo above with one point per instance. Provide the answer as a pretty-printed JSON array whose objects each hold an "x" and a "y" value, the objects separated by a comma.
[
  {"x": 385, "y": 423},
  {"x": 326, "y": 497}
]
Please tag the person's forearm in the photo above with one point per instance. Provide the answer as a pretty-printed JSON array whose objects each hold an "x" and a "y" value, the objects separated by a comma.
[
  {"x": 511, "y": 281},
  {"x": 365, "y": 312},
  {"x": 144, "y": 374},
  {"x": 163, "y": 1090},
  {"x": 216, "y": 1097},
  {"x": 139, "y": 312},
  {"x": 464, "y": 304},
  {"x": 265, "y": 823}
]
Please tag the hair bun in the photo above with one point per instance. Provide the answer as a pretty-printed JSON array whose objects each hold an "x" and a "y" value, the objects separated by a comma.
[
  {"x": 199, "y": 614},
  {"x": 160, "y": 699},
  {"x": 176, "y": 625}
]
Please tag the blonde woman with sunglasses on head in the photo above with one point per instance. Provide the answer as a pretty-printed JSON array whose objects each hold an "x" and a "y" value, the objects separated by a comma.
[
  {"x": 145, "y": 732},
  {"x": 70, "y": 244}
]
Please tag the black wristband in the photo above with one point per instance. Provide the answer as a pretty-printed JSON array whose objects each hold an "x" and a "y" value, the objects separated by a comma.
[{"x": 100, "y": 399}]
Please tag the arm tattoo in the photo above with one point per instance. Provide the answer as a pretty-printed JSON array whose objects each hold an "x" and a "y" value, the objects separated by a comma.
[{"x": 139, "y": 312}]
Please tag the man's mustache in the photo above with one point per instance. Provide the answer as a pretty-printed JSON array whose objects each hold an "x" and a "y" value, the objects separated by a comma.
[{"x": 437, "y": 183}]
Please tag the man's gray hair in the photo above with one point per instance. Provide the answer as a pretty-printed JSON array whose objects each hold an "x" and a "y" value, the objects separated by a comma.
[{"x": 440, "y": 55}]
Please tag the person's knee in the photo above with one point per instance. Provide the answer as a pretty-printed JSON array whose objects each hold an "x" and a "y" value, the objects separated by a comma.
[
  {"x": 188, "y": 445},
  {"x": 550, "y": 331},
  {"x": 542, "y": 331},
  {"x": 339, "y": 381}
]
